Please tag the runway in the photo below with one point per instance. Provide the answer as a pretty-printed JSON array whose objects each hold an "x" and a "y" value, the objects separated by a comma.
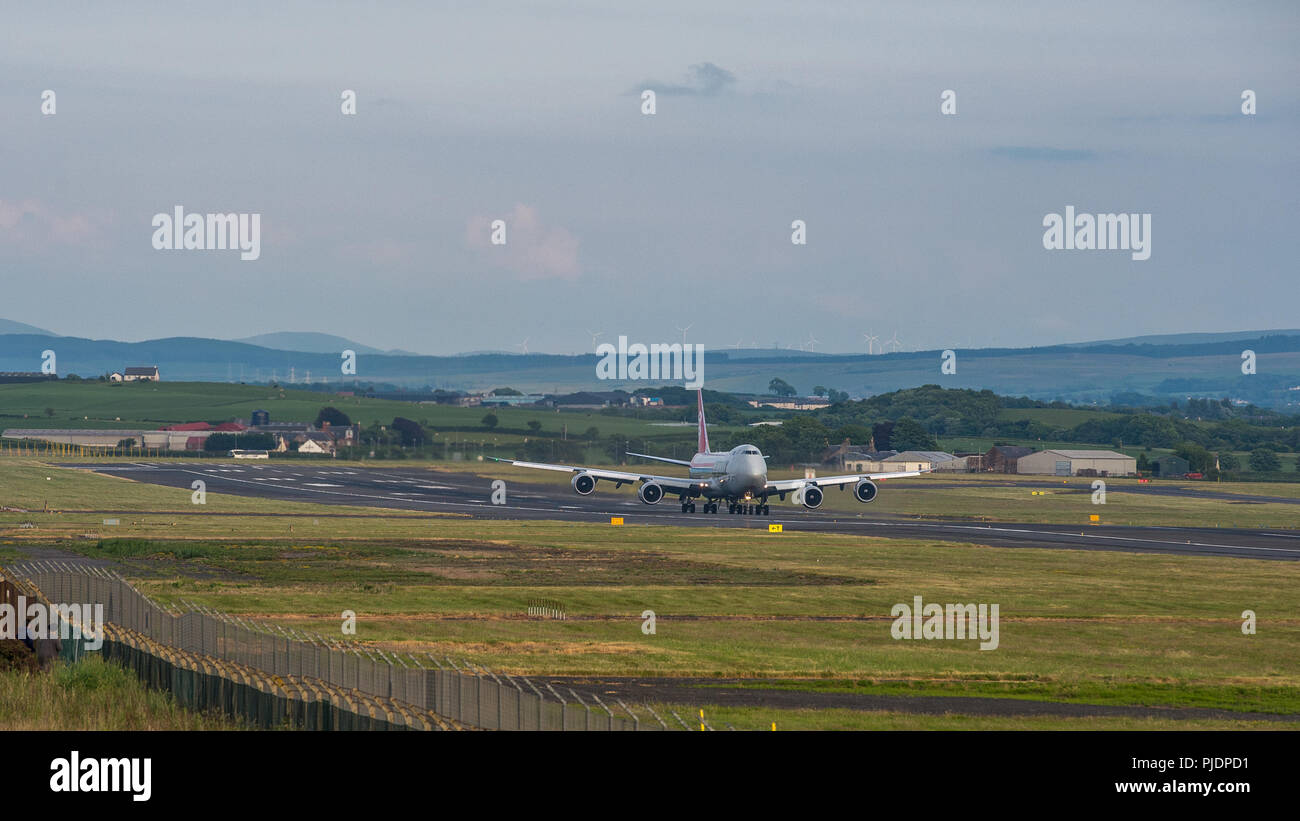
[{"x": 467, "y": 494}]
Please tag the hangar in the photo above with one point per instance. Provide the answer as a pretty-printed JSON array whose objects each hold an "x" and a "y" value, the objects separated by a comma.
[{"x": 1077, "y": 463}]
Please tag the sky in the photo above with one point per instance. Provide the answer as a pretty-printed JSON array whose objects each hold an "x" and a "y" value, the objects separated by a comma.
[{"x": 919, "y": 225}]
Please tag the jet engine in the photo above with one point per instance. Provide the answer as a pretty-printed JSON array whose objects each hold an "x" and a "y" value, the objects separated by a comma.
[
  {"x": 650, "y": 493},
  {"x": 584, "y": 483},
  {"x": 812, "y": 497},
  {"x": 865, "y": 491}
]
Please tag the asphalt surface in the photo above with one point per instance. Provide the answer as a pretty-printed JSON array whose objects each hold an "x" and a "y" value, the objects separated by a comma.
[{"x": 468, "y": 494}]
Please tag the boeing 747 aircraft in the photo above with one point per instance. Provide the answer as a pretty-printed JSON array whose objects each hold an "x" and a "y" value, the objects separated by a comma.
[{"x": 739, "y": 476}]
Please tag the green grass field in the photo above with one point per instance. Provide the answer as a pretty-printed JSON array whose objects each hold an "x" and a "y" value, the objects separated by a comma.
[
  {"x": 91, "y": 695},
  {"x": 810, "y": 610},
  {"x": 150, "y": 405}
]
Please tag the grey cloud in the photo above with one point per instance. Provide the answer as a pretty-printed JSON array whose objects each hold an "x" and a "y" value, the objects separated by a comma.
[{"x": 702, "y": 80}]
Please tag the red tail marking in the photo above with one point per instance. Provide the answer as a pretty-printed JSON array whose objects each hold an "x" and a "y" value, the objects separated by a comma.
[{"x": 704, "y": 431}]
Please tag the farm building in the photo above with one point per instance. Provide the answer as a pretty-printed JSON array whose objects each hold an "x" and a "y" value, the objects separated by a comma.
[
  {"x": 1076, "y": 463},
  {"x": 149, "y": 374},
  {"x": 916, "y": 460},
  {"x": 868, "y": 462}
]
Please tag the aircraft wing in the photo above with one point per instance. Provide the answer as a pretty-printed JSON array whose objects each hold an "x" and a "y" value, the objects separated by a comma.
[
  {"x": 787, "y": 485},
  {"x": 616, "y": 476}
]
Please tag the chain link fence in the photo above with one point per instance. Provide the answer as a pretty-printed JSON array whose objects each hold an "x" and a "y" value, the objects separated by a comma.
[{"x": 191, "y": 649}]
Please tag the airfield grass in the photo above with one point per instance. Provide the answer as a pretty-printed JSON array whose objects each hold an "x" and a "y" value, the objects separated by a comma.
[
  {"x": 809, "y": 610},
  {"x": 756, "y": 718},
  {"x": 91, "y": 695}
]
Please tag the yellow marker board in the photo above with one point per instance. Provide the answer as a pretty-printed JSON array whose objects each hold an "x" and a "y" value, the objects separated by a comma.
[
  {"x": 774, "y": 528},
  {"x": 616, "y": 520}
]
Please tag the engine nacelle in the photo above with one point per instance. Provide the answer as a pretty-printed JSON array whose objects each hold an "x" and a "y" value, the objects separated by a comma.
[
  {"x": 811, "y": 497},
  {"x": 584, "y": 483},
  {"x": 650, "y": 493},
  {"x": 865, "y": 491}
]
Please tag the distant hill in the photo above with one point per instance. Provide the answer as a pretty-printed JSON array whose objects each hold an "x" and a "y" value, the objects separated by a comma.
[
  {"x": 8, "y": 326},
  {"x": 1185, "y": 339},
  {"x": 1148, "y": 369},
  {"x": 308, "y": 342}
]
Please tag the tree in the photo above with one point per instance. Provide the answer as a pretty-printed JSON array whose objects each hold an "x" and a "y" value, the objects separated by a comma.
[
  {"x": 1143, "y": 463},
  {"x": 490, "y": 421},
  {"x": 837, "y": 396},
  {"x": 49, "y": 411},
  {"x": 1228, "y": 461},
  {"x": 909, "y": 435},
  {"x": 592, "y": 434},
  {"x": 220, "y": 441},
  {"x": 881, "y": 434},
  {"x": 412, "y": 433},
  {"x": 334, "y": 416},
  {"x": 819, "y": 390},
  {"x": 1198, "y": 458},
  {"x": 1264, "y": 460},
  {"x": 780, "y": 387},
  {"x": 534, "y": 426},
  {"x": 506, "y": 392}
]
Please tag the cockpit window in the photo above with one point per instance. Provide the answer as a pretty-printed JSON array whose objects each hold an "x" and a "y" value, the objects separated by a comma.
[{"x": 752, "y": 452}]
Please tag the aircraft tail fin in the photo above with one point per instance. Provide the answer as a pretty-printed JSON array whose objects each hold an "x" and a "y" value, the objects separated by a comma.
[{"x": 704, "y": 431}]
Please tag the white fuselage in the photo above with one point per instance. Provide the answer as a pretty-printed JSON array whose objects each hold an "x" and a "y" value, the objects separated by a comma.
[{"x": 738, "y": 473}]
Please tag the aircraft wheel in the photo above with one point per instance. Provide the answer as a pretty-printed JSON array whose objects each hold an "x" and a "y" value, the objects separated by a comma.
[{"x": 731, "y": 507}]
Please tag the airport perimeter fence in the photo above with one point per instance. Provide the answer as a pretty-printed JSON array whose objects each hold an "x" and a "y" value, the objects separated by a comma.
[{"x": 306, "y": 679}]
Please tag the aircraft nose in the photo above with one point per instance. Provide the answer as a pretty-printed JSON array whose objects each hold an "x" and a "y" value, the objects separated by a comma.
[{"x": 754, "y": 470}]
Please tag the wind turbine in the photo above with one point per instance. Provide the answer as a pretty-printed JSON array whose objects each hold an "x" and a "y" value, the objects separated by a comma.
[
  {"x": 894, "y": 343},
  {"x": 594, "y": 336},
  {"x": 739, "y": 342},
  {"x": 684, "y": 330},
  {"x": 871, "y": 339},
  {"x": 523, "y": 346},
  {"x": 812, "y": 342}
]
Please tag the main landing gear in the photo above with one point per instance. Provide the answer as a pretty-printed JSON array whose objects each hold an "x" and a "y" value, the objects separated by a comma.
[
  {"x": 736, "y": 507},
  {"x": 689, "y": 506}
]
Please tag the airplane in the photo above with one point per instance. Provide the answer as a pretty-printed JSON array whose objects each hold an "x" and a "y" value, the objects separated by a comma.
[{"x": 739, "y": 476}]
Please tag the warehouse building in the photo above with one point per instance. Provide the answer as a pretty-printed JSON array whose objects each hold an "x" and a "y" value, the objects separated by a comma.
[{"x": 1076, "y": 463}]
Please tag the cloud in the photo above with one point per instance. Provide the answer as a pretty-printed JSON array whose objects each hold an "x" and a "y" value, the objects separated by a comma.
[
  {"x": 1034, "y": 152},
  {"x": 532, "y": 250},
  {"x": 36, "y": 224},
  {"x": 702, "y": 80}
]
